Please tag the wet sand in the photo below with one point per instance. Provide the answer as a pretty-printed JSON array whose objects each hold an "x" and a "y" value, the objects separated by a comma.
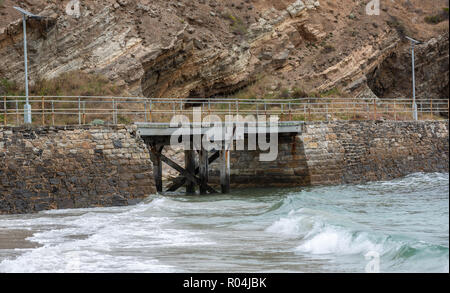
[{"x": 11, "y": 239}]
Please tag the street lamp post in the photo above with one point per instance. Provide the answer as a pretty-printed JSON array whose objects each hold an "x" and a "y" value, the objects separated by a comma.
[
  {"x": 27, "y": 107},
  {"x": 413, "y": 43}
]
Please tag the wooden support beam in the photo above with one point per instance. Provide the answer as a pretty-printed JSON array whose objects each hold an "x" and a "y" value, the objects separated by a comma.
[
  {"x": 189, "y": 176},
  {"x": 189, "y": 159},
  {"x": 155, "y": 155},
  {"x": 225, "y": 171},
  {"x": 203, "y": 164},
  {"x": 181, "y": 180}
]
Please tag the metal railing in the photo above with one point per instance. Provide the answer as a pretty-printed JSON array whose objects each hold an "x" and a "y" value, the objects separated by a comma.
[{"x": 70, "y": 110}]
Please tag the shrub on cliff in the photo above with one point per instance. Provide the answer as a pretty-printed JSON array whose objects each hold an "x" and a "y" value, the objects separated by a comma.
[{"x": 437, "y": 18}]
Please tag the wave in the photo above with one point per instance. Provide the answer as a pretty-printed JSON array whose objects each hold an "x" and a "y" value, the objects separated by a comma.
[
  {"x": 325, "y": 234},
  {"x": 97, "y": 241}
]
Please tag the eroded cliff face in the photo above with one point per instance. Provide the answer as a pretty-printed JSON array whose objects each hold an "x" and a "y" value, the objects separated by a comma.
[
  {"x": 432, "y": 79},
  {"x": 206, "y": 48}
]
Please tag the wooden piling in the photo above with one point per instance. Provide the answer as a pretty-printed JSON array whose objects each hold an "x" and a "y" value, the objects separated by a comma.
[
  {"x": 155, "y": 154},
  {"x": 189, "y": 159},
  {"x": 225, "y": 170},
  {"x": 203, "y": 164}
]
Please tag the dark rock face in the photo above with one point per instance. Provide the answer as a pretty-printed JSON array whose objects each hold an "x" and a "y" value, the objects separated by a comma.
[
  {"x": 72, "y": 167},
  {"x": 432, "y": 72}
]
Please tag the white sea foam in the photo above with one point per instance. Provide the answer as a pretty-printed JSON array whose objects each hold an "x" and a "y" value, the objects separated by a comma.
[
  {"x": 335, "y": 241},
  {"x": 101, "y": 242},
  {"x": 294, "y": 225},
  {"x": 317, "y": 236}
]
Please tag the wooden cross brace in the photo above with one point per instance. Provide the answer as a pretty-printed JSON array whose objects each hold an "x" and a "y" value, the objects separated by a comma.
[
  {"x": 158, "y": 157},
  {"x": 181, "y": 180}
]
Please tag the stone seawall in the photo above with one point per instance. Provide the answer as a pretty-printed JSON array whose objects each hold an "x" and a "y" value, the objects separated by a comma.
[
  {"x": 79, "y": 167},
  {"x": 342, "y": 152},
  {"x": 72, "y": 167}
]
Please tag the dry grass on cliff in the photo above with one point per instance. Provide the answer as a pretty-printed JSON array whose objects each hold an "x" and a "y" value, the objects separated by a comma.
[{"x": 73, "y": 83}]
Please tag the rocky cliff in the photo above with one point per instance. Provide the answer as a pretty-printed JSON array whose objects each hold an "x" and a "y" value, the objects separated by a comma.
[{"x": 206, "y": 48}]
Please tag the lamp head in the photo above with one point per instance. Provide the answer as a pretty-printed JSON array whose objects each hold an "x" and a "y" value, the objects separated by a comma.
[
  {"x": 414, "y": 41},
  {"x": 29, "y": 14}
]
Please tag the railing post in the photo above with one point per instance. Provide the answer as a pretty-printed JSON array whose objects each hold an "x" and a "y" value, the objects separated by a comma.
[
  {"x": 150, "y": 110},
  {"x": 367, "y": 110},
  {"x": 374, "y": 109},
  {"x": 431, "y": 108},
  {"x": 53, "y": 113},
  {"x": 43, "y": 111},
  {"x": 347, "y": 111},
  {"x": 5, "y": 118},
  {"x": 237, "y": 107},
  {"x": 332, "y": 109},
  {"x": 79, "y": 110},
  {"x": 290, "y": 112},
  {"x": 448, "y": 107},
  {"x": 17, "y": 113},
  {"x": 209, "y": 106},
  {"x": 145, "y": 111},
  {"x": 84, "y": 112},
  {"x": 113, "y": 111},
  {"x": 395, "y": 111}
]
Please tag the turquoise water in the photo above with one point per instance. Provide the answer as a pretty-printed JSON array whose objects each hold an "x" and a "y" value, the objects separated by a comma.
[{"x": 319, "y": 229}]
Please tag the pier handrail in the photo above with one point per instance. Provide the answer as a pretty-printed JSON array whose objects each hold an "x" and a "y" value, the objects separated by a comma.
[{"x": 69, "y": 110}]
